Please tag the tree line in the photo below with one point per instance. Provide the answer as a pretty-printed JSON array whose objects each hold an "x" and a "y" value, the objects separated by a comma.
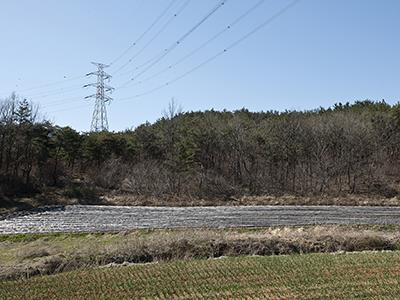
[{"x": 348, "y": 148}]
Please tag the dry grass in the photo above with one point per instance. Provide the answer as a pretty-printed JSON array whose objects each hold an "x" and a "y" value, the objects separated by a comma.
[
  {"x": 346, "y": 200},
  {"x": 321, "y": 276},
  {"x": 47, "y": 254}
]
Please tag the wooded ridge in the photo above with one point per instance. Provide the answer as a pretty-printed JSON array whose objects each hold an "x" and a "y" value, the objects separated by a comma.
[{"x": 346, "y": 149}]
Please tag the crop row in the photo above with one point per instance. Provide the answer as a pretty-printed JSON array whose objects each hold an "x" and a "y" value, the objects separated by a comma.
[{"x": 328, "y": 276}]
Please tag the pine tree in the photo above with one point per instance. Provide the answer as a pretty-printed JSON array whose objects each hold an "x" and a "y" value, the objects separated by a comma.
[{"x": 24, "y": 112}]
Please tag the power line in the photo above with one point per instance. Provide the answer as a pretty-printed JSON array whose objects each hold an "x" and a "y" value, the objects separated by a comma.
[
  {"x": 159, "y": 17},
  {"x": 147, "y": 62},
  {"x": 61, "y": 101},
  {"x": 166, "y": 51},
  {"x": 163, "y": 54},
  {"x": 50, "y": 84},
  {"x": 54, "y": 92},
  {"x": 163, "y": 28},
  {"x": 80, "y": 77},
  {"x": 69, "y": 109},
  {"x": 206, "y": 43},
  {"x": 212, "y": 58}
]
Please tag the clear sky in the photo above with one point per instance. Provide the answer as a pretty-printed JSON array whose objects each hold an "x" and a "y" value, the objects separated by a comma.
[{"x": 317, "y": 53}]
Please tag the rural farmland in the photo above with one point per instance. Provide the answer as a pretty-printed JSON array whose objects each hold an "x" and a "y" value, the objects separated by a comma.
[
  {"x": 321, "y": 276},
  {"x": 104, "y": 218},
  {"x": 200, "y": 149}
]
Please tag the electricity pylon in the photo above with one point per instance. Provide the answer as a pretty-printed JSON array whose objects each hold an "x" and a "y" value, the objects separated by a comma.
[{"x": 99, "y": 119}]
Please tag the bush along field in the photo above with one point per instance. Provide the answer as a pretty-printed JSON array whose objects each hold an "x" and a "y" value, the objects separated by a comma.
[{"x": 315, "y": 276}]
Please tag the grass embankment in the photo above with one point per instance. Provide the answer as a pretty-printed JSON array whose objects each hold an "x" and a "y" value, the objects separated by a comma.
[
  {"x": 24, "y": 256},
  {"x": 316, "y": 276}
]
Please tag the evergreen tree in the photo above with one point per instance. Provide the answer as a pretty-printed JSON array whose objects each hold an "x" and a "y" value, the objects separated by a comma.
[{"x": 24, "y": 112}]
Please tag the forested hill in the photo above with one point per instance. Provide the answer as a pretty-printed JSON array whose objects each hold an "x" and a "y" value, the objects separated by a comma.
[{"x": 345, "y": 149}]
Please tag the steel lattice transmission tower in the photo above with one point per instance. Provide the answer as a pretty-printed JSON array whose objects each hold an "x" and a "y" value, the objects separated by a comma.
[{"x": 99, "y": 119}]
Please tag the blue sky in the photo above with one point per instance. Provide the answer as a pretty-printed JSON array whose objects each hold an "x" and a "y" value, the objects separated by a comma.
[{"x": 317, "y": 53}]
